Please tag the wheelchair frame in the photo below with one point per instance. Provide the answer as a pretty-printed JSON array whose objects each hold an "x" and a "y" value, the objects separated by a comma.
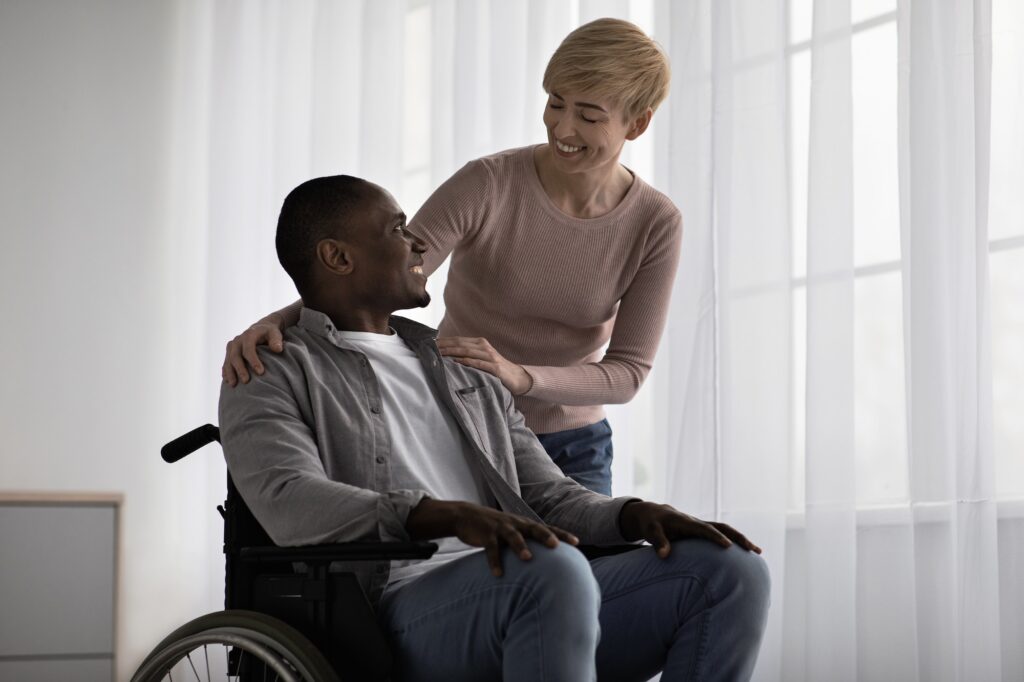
[{"x": 295, "y": 585}]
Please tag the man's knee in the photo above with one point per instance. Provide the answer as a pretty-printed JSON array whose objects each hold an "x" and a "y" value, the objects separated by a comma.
[
  {"x": 560, "y": 574},
  {"x": 741, "y": 581},
  {"x": 732, "y": 577}
]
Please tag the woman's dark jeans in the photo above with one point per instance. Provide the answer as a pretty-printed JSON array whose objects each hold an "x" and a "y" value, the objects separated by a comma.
[{"x": 583, "y": 454}]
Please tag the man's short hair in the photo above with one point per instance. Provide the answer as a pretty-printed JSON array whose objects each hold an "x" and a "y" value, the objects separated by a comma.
[
  {"x": 321, "y": 208},
  {"x": 611, "y": 58}
]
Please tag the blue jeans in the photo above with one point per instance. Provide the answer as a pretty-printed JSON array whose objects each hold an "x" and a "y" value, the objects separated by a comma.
[
  {"x": 583, "y": 454},
  {"x": 699, "y": 614}
]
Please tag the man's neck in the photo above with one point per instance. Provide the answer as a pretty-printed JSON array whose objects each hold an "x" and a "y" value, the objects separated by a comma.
[{"x": 348, "y": 318}]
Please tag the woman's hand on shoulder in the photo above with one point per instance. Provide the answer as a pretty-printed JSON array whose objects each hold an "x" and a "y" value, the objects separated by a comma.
[
  {"x": 241, "y": 351},
  {"x": 480, "y": 354}
]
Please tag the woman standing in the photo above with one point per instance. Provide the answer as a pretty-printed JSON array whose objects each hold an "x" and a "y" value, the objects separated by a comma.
[{"x": 557, "y": 249}]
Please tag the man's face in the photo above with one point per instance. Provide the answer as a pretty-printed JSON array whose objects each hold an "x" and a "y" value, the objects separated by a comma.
[{"x": 388, "y": 261}]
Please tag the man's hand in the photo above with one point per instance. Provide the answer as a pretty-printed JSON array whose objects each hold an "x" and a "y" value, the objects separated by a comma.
[
  {"x": 478, "y": 353},
  {"x": 481, "y": 527},
  {"x": 242, "y": 350},
  {"x": 659, "y": 524}
]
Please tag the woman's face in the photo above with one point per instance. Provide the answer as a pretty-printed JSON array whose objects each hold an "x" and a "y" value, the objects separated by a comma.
[{"x": 586, "y": 132}]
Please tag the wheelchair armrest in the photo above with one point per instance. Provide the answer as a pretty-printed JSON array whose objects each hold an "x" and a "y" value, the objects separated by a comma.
[
  {"x": 346, "y": 551},
  {"x": 597, "y": 551}
]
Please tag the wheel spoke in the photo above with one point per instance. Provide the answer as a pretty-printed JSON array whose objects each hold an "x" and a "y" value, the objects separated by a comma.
[
  {"x": 207, "y": 655},
  {"x": 194, "y": 671}
]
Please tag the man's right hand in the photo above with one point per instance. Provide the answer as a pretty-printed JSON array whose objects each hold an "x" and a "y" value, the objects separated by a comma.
[
  {"x": 479, "y": 526},
  {"x": 241, "y": 351}
]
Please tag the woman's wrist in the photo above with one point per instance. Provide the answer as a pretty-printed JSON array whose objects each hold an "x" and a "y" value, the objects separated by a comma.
[{"x": 525, "y": 383}]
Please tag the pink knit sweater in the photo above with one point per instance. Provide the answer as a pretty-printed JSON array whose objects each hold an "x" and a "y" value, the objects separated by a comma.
[{"x": 549, "y": 290}]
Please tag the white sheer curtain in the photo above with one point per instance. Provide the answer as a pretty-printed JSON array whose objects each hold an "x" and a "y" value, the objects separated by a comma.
[
  {"x": 892, "y": 557},
  {"x": 841, "y": 376},
  {"x": 809, "y": 270}
]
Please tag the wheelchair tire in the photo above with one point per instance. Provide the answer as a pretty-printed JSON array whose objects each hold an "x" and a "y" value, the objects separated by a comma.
[{"x": 271, "y": 642}]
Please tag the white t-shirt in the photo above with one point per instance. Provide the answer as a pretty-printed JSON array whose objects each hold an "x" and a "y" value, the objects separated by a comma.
[{"x": 428, "y": 450}]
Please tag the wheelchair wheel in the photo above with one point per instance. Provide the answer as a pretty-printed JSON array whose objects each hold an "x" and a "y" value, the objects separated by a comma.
[{"x": 235, "y": 645}]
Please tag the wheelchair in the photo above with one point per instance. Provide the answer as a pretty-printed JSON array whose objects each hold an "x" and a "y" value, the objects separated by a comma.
[{"x": 287, "y": 616}]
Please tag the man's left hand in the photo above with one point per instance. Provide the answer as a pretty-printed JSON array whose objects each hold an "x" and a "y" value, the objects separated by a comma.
[
  {"x": 659, "y": 524},
  {"x": 478, "y": 353}
]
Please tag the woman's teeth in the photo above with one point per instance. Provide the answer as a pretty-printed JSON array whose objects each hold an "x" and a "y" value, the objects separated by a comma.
[{"x": 566, "y": 148}]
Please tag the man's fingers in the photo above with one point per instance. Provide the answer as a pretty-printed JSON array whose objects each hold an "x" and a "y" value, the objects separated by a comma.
[
  {"x": 515, "y": 540},
  {"x": 715, "y": 535},
  {"x": 657, "y": 537},
  {"x": 493, "y": 552},
  {"x": 564, "y": 535},
  {"x": 544, "y": 535},
  {"x": 737, "y": 537}
]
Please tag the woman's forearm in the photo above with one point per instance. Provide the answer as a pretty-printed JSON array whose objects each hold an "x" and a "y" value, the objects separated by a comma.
[{"x": 287, "y": 316}]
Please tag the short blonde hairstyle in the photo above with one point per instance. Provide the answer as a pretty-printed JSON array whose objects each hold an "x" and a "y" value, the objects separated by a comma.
[{"x": 613, "y": 59}]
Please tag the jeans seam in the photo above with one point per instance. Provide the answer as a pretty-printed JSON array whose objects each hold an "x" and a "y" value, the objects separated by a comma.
[
  {"x": 702, "y": 636},
  {"x": 464, "y": 598},
  {"x": 528, "y": 595}
]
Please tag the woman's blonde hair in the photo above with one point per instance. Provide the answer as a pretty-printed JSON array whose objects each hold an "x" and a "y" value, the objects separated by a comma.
[{"x": 613, "y": 59}]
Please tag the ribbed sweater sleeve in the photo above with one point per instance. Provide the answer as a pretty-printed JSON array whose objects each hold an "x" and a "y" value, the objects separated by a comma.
[
  {"x": 453, "y": 213},
  {"x": 640, "y": 321}
]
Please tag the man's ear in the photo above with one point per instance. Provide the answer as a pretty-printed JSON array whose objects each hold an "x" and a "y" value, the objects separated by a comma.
[
  {"x": 639, "y": 124},
  {"x": 335, "y": 255}
]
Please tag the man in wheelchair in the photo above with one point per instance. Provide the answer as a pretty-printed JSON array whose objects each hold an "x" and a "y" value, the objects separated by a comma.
[{"x": 361, "y": 430}]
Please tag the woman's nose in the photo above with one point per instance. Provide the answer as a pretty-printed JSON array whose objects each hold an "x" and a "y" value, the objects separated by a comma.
[{"x": 563, "y": 127}]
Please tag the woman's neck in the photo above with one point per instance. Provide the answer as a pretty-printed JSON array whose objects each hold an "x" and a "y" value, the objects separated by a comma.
[{"x": 589, "y": 194}]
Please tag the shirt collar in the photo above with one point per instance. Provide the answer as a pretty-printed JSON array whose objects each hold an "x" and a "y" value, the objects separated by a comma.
[{"x": 320, "y": 324}]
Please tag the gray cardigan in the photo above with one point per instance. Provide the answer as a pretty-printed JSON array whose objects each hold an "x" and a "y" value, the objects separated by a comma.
[{"x": 307, "y": 446}]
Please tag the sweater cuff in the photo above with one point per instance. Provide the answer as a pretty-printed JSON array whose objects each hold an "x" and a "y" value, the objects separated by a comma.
[{"x": 543, "y": 387}]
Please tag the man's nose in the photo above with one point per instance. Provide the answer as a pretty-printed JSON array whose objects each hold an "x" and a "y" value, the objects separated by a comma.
[{"x": 417, "y": 244}]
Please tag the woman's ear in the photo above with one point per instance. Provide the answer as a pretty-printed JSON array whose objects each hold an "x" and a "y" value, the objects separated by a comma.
[
  {"x": 639, "y": 124},
  {"x": 335, "y": 255}
]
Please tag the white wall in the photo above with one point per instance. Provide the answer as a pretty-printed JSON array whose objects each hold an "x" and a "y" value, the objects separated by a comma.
[{"x": 103, "y": 328}]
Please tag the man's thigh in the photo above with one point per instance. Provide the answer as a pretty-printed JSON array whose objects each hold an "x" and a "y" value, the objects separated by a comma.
[
  {"x": 650, "y": 605},
  {"x": 453, "y": 623}
]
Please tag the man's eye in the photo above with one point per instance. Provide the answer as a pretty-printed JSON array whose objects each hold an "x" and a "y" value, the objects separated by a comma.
[
  {"x": 588, "y": 120},
  {"x": 556, "y": 106}
]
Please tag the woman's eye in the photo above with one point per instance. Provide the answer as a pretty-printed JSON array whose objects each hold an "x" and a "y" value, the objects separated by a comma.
[
  {"x": 588, "y": 120},
  {"x": 556, "y": 106}
]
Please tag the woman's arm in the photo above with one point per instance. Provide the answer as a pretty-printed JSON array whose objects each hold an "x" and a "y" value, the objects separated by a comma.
[
  {"x": 454, "y": 212},
  {"x": 640, "y": 321},
  {"x": 242, "y": 349},
  {"x": 617, "y": 377}
]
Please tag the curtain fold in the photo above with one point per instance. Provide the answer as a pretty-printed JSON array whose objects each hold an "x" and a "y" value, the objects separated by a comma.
[
  {"x": 830, "y": 475},
  {"x": 734, "y": 422},
  {"x": 944, "y": 141}
]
